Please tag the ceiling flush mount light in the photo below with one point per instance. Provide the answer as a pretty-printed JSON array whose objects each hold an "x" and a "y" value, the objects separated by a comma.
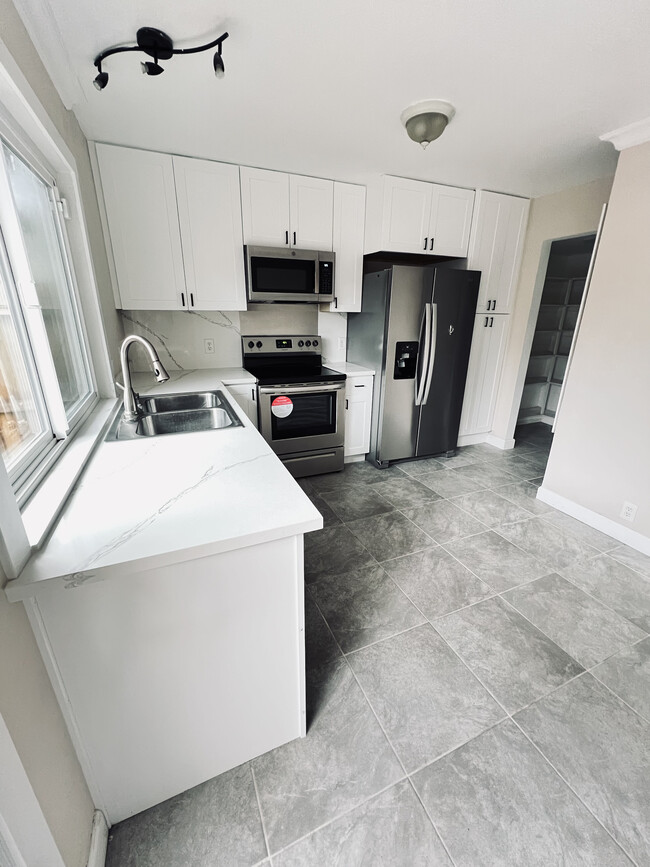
[
  {"x": 158, "y": 45},
  {"x": 425, "y": 121}
]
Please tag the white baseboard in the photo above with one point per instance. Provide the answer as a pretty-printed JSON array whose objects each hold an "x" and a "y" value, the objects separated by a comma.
[
  {"x": 500, "y": 443},
  {"x": 593, "y": 519},
  {"x": 98, "y": 841},
  {"x": 472, "y": 439}
]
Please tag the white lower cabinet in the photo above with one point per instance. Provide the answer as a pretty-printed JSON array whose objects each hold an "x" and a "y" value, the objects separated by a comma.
[
  {"x": 485, "y": 362},
  {"x": 358, "y": 412},
  {"x": 246, "y": 397}
]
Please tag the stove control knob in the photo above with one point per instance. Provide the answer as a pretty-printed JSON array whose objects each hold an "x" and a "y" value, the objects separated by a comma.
[
  {"x": 315, "y": 343},
  {"x": 308, "y": 343},
  {"x": 301, "y": 343},
  {"x": 259, "y": 344},
  {"x": 250, "y": 344}
]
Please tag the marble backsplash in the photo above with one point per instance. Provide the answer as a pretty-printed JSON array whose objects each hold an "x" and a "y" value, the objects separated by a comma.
[{"x": 180, "y": 336}]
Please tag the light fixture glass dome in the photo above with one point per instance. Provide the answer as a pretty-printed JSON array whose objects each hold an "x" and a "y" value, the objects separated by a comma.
[{"x": 427, "y": 120}]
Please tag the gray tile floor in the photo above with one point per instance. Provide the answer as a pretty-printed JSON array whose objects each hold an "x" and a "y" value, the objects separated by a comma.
[{"x": 478, "y": 688}]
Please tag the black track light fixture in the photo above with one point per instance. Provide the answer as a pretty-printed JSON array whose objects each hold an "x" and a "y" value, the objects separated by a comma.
[{"x": 158, "y": 45}]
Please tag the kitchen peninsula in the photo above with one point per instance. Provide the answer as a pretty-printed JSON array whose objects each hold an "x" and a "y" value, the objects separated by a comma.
[{"x": 168, "y": 606}]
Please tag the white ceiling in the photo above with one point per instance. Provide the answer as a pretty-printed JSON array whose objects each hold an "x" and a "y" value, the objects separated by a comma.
[{"x": 317, "y": 87}]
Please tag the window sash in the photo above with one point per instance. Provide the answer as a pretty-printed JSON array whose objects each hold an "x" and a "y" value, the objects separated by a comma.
[{"x": 27, "y": 473}]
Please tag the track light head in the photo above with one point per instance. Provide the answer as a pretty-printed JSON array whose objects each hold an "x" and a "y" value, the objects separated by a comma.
[
  {"x": 217, "y": 62},
  {"x": 101, "y": 80},
  {"x": 149, "y": 68}
]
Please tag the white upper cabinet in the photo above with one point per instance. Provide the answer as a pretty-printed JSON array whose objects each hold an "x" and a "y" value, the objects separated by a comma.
[
  {"x": 286, "y": 210},
  {"x": 174, "y": 225},
  {"x": 311, "y": 212},
  {"x": 419, "y": 217},
  {"x": 495, "y": 249},
  {"x": 265, "y": 207},
  {"x": 140, "y": 201},
  {"x": 349, "y": 224},
  {"x": 209, "y": 211}
]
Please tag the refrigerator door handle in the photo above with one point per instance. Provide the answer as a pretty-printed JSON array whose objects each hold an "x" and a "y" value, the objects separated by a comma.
[
  {"x": 425, "y": 326},
  {"x": 433, "y": 332}
]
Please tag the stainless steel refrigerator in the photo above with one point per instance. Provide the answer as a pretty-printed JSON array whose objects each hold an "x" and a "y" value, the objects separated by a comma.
[{"x": 415, "y": 331}]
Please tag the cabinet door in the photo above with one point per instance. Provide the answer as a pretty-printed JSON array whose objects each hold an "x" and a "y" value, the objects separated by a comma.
[
  {"x": 358, "y": 402},
  {"x": 495, "y": 249},
  {"x": 311, "y": 203},
  {"x": 451, "y": 220},
  {"x": 140, "y": 201},
  {"x": 245, "y": 396},
  {"x": 265, "y": 207},
  {"x": 209, "y": 210},
  {"x": 405, "y": 215},
  {"x": 483, "y": 375},
  {"x": 349, "y": 222}
]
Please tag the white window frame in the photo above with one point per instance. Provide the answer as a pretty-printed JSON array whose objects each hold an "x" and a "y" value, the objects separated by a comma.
[{"x": 38, "y": 462}]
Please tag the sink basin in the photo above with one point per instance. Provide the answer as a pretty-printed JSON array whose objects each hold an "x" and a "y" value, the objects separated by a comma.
[
  {"x": 183, "y": 421},
  {"x": 176, "y": 413},
  {"x": 175, "y": 402}
]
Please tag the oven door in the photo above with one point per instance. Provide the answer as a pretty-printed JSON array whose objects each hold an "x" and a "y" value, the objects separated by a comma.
[{"x": 301, "y": 418}]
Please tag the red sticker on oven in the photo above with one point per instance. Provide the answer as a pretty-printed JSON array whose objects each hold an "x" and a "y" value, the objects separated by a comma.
[{"x": 282, "y": 406}]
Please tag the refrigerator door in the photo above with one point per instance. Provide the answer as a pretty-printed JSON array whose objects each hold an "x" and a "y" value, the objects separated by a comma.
[
  {"x": 410, "y": 291},
  {"x": 454, "y": 303}
]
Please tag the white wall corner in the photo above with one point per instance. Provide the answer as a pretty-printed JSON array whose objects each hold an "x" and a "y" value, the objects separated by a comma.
[
  {"x": 628, "y": 136},
  {"x": 98, "y": 840},
  {"x": 599, "y": 522}
]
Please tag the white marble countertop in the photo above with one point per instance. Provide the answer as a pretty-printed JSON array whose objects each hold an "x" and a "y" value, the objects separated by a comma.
[
  {"x": 157, "y": 501},
  {"x": 144, "y": 383},
  {"x": 350, "y": 369}
]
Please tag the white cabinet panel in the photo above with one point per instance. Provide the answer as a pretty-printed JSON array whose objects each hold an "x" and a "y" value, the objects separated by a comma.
[
  {"x": 265, "y": 207},
  {"x": 209, "y": 210},
  {"x": 405, "y": 216},
  {"x": 140, "y": 201},
  {"x": 419, "y": 217},
  {"x": 451, "y": 220},
  {"x": 349, "y": 223},
  {"x": 246, "y": 397},
  {"x": 311, "y": 202},
  {"x": 485, "y": 362},
  {"x": 358, "y": 405},
  {"x": 496, "y": 246}
]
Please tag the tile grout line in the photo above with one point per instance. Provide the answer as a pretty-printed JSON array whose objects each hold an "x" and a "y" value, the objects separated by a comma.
[
  {"x": 259, "y": 807},
  {"x": 571, "y": 789},
  {"x": 429, "y": 817}
]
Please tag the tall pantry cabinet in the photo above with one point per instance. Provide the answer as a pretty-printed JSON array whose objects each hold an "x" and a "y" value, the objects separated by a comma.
[{"x": 495, "y": 249}]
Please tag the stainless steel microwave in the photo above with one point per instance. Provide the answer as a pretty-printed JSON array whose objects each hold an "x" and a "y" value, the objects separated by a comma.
[{"x": 285, "y": 275}]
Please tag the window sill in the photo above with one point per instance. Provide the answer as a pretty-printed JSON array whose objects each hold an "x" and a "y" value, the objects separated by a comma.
[{"x": 45, "y": 505}]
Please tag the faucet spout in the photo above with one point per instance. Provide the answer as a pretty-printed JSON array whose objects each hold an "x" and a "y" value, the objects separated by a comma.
[{"x": 130, "y": 410}]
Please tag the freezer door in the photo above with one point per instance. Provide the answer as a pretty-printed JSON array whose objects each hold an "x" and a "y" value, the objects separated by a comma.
[
  {"x": 410, "y": 290},
  {"x": 454, "y": 304}
]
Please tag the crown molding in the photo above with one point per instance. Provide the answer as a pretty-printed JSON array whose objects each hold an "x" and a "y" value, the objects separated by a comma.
[
  {"x": 44, "y": 31},
  {"x": 628, "y": 136}
]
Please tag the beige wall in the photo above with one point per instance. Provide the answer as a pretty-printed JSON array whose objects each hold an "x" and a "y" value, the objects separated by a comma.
[
  {"x": 27, "y": 701},
  {"x": 575, "y": 211},
  {"x": 600, "y": 457}
]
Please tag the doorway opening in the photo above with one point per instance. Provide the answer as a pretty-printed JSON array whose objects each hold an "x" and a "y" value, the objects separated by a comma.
[{"x": 564, "y": 284}]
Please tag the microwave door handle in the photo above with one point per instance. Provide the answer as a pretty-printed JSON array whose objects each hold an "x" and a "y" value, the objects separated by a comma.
[
  {"x": 424, "y": 353},
  {"x": 274, "y": 389},
  {"x": 433, "y": 327}
]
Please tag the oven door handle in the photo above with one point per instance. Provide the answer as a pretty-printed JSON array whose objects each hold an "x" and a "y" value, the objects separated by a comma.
[{"x": 336, "y": 386}]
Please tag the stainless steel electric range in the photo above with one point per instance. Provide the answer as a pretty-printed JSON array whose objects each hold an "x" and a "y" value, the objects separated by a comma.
[{"x": 301, "y": 403}]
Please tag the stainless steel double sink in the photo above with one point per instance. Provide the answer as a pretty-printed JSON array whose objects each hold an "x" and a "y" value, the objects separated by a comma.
[{"x": 176, "y": 413}]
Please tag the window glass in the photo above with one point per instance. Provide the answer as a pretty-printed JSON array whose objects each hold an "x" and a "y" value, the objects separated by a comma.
[{"x": 35, "y": 208}]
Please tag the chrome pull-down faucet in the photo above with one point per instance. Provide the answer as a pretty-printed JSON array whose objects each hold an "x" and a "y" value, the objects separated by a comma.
[{"x": 130, "y": 409}]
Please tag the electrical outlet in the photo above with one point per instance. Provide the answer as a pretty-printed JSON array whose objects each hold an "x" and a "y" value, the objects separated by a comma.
[
  {"x": 208, "y": 346},
  {"x": 342, "y": 343},
  {"x": 628, "y": 511}
]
